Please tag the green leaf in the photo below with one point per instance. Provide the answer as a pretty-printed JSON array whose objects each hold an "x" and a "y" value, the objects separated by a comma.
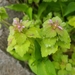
[
  {"x": 18, "y": 7},
  {"x": 36, "y": 56},
  {"x": 55, "y": 0},
  {"x": 72, "y": 21},
  {"x": 48, "y": 32},
  {"x": 49, "y": 15},
  {"x": 37, "y": 23},
  {"x": 29, "y": 12},
  {"x": 27, "y": 24},
  {"x": 36, "y": 1},
  {"x": 17, "y": 56},
  {"x": 20, "y": 38},
  {"x": 3, "y": 14},
  {"x": 11, "y": 40},
  {"x": 73, "y": 56},
  {"x": 22, "y": 49},
  {"x": 70, "y": 8},
  {"x": 45, "y": 67},
  {"x": 47, "y": 0},
  {"x": 30, "y": 1},
  {"x": 62, "y": 72},
  {"x": 57, "y": 56},
  {"x": 25, "y": 17},
  {"x": 48, "y": 51},
  {"x": 12, "y": 31},
  {"x": 64, "y": 39},
  {"x": 46, "y": 24},
  {"x": 21, "y": 7},
  {"x": 73, "y": 71},
  {"x": 64, "y": 58},
  {"x": 41, "y": 9},
  {"x": 11, "y": 43},
  {"x": 33, "y": 65},
  {"x": 69, "y": 67},
  {"x": 56, "y": 65},
  {"x": 33, "y": 32},
  {"x": 9, "y": 48},
  {"x": 37, "y": 50},
  {"x": 62, "y": 65},
  {"x": 63, "y": 45},
  {"x": 54, "y": 19},
  {"x": 49, "y": 42}
]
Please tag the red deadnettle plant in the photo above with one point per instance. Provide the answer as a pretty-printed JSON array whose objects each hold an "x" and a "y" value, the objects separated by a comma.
[{"x": 45, "y": 35}]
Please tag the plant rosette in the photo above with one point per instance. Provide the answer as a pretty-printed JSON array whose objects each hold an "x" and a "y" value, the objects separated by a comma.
[{"x": 34, "y": 44}]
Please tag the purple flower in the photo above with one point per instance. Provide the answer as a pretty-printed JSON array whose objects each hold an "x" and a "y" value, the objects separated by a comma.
[
  {"x": 50, "y": 21},
  {"x": 55, "y": 24},
  {"x": 60, "y": 27},
  {"x": 15, "y": 21},
  {"x": 18, "y": 24}
]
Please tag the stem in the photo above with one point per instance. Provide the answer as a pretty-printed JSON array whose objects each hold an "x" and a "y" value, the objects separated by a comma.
[
  {"x": 6, "y": 23},
  {"x": 24, "y": 14}
]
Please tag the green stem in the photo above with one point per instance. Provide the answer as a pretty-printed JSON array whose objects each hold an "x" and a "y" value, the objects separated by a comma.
[{"x": 6, "y": 23}]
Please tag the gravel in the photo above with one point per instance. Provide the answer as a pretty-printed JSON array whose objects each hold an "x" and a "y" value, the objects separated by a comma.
[{"x": 11, "y": 66}]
